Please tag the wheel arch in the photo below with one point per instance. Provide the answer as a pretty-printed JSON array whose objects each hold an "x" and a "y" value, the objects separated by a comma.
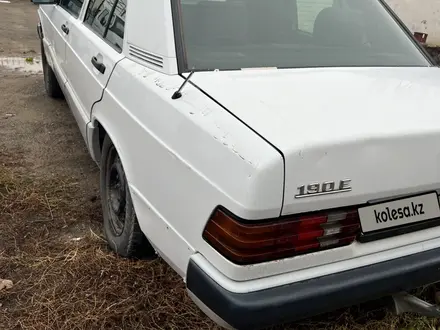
[
  {"x": 96, "y": 134},
  {"x": 97, "y": 130},
  {"x": 143, "y": 245},
  {"x": 95, "y": 137}
]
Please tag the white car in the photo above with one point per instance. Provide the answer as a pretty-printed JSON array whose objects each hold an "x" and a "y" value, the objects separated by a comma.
[{"x": 283, "y": 156}]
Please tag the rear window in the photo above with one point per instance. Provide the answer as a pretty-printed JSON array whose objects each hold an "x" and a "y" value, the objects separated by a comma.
[{"x": 234, "y": 34}]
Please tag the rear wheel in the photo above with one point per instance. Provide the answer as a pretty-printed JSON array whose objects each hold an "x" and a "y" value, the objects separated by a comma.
[
  {"x": 121, "y": 226},
  {"x": 51, "y": 84}
]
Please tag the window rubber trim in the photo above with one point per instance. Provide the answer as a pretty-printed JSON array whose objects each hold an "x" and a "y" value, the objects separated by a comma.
[{"x": 182, "y": 63}]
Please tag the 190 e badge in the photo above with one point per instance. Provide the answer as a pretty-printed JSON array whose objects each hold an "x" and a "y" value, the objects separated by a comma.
[{"x": 324, "y": 188}]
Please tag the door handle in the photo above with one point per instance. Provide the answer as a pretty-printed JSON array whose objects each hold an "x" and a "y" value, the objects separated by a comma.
[
  {"x": 65, "y": 29},
  {"x": 98, "y": 65}
]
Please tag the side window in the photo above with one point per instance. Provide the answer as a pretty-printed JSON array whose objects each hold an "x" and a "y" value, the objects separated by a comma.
[
  {"x": 107, "y": 19},
  {"x": 72, "y": 6},
  {"x": 308, "y": 10},
  {"x": 115, "y": 34},
  {"x": 97, "y": 15}
]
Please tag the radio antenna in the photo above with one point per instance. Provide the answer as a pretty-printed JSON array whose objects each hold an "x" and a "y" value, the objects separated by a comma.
[{"x": 177, "y": 94}]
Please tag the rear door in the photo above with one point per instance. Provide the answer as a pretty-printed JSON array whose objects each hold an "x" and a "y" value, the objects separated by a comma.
[
  {"x": 93, "y": 49},
  {"x": 55, "y": 20}
]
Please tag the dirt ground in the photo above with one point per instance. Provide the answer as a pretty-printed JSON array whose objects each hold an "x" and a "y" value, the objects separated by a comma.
[{"x": 51, "y": 244}]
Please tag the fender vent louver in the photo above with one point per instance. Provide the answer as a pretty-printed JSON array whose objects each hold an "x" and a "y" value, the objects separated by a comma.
[{"x": 145, "y": 56}]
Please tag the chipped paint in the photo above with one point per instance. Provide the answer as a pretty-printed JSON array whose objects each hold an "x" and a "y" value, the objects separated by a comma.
[
  {"x": 201, "y": 109},
  {"x": 230, "y": 145},
  {"x": 162, "y": 84},
  {"x": 222, "y": 135},
  {"x": 167, "y": 83}
]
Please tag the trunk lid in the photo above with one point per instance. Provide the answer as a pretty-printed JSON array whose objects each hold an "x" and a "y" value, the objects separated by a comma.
[{"x": 375, "y": 129}]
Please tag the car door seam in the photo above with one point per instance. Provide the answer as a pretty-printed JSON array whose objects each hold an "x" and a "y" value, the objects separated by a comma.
[
  {"x": 105, "y": 87},
  {"x": 253, "y": 130}
]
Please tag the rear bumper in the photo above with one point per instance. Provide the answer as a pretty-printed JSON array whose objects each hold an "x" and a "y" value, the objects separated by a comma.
[{"x": 315, "y": 296}]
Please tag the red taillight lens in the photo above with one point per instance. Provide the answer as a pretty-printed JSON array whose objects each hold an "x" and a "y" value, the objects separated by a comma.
[{"x": 247, "y": 243}]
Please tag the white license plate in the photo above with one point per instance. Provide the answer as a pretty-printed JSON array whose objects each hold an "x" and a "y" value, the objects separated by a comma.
[{"x": 399, "y": 212}]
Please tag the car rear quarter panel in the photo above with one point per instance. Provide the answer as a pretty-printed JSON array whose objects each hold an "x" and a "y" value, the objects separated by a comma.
[{"x": 183, "y": 158}]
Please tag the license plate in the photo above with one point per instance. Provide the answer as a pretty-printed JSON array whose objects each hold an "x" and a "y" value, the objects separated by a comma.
[{"x": 399, "y": 212}]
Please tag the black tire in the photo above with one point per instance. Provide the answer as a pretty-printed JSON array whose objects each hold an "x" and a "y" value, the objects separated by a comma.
[
  {"x": 121, "y": 227},
  {"x": 51, "y": 84}
]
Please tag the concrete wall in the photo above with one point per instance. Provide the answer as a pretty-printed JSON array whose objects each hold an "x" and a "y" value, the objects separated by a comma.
[{"x": 420, "y": 16}]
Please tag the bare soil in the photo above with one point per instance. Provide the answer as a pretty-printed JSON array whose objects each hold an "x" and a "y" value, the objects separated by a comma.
[{"x": 51, "y": 243}]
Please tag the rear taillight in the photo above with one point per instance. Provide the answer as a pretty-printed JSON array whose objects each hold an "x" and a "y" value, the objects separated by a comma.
[{"x": 248, "y": 243}]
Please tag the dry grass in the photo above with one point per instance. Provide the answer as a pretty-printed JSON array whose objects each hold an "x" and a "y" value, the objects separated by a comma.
[
  {"x": 66, "y": 278},
  {"x": 64, "y": 275}
]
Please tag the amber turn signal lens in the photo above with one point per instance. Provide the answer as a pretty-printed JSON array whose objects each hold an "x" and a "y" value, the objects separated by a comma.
[{"x": 255, "y": 242}]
